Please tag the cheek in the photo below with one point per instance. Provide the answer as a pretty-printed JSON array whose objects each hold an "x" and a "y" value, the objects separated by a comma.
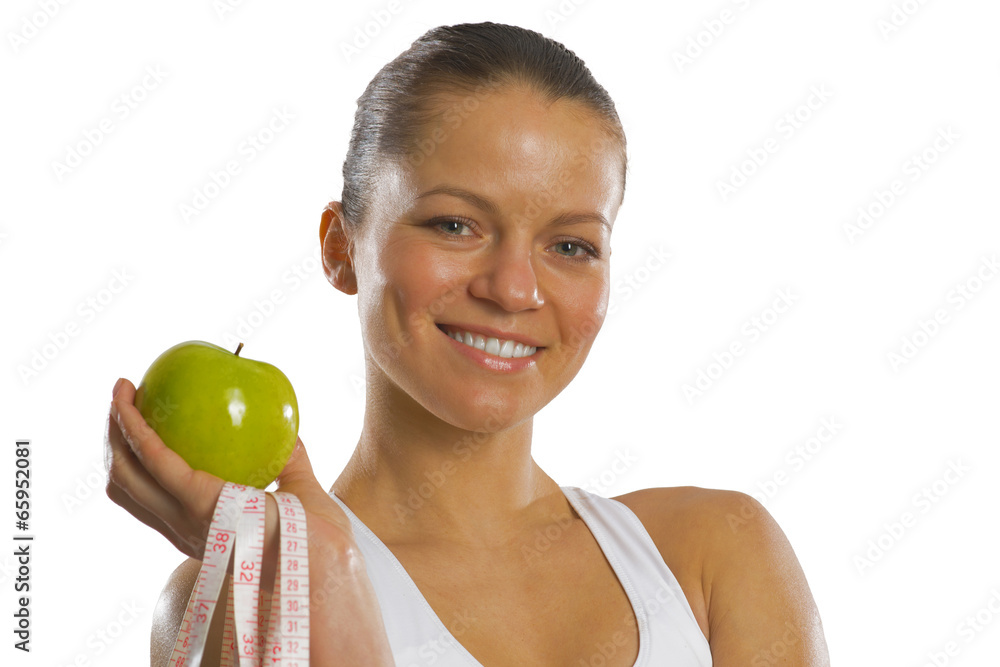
[
  {"x": 585, "y": 305},
  {"x": 418, "y": 286}
]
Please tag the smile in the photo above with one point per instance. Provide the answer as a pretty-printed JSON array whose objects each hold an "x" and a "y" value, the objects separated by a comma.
[
  {"x": 482, "y": 355},
  {"x": 505, "y": 349}
]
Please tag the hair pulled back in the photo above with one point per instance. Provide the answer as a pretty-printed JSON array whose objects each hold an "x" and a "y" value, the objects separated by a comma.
[{"x": 471, "y": 59}]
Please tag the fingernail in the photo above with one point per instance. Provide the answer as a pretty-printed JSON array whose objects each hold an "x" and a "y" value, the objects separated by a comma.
[{"x": 114, "y": 392}]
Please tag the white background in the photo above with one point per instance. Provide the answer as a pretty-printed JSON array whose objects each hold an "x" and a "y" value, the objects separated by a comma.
[{"x": 689, "y": 125}]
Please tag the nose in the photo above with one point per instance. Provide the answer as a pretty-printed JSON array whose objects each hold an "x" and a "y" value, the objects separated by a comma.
[{"x": 507, "y": 276}]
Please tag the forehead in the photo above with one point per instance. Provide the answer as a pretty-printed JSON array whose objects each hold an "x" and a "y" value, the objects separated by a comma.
[{"x": 515, "y": 148}]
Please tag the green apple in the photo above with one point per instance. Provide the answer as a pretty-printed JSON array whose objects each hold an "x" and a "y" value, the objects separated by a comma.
[{"x": 233, "y": 417}]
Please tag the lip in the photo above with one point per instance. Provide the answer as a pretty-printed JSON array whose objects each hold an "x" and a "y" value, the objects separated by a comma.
[
  {"x": 490, "y": 332},
  {"x": 489, "y": 361}
]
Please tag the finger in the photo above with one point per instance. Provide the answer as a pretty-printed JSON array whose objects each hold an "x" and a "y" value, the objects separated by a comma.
[
  {"x": 188, "y": 546},
  {"x": 197, "y": 490},
  {"x": 126, "y": 471},
  {"x": 298, "y": 469},
  {"x": 131, "y": 487},
  {"x": 297, "y": 477},
  {"x": 188, "y": 523}
]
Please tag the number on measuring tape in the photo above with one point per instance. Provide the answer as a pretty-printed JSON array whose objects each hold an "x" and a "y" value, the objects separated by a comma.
[
  {"x": 282, "y": 618},
  {"x": 288, "y": 631},
  {"x": 191, "y": 637},
  {"x": 246, "y": 577}
]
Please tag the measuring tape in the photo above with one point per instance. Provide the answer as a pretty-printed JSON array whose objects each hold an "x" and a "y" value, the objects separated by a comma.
[{"x": 260, "y": 629}]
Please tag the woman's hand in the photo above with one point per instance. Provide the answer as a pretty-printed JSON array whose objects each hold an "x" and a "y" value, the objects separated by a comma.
[{"x": 156, "y": 485}]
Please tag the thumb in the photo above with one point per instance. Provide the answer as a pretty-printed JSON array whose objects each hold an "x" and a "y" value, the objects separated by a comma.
[
  {"x": 298, "y": 471},
  {"x": 297, "y": 478}
]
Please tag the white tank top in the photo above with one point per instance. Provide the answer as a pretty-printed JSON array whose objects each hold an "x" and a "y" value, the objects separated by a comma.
[{"x": 668, "y": 631}]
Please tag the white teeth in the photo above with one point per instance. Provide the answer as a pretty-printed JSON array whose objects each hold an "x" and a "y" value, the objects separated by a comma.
[
  {"x": 506, "y": 349},
  {"x": 493, "y": 346}
]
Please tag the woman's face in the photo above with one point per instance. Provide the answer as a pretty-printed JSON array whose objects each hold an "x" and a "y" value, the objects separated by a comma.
[{"x": 493, "y": 258}]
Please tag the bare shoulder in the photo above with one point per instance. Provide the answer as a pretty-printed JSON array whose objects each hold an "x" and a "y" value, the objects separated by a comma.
[
  {"x": 672, "y": 517},
  {"x": 739, "y": 572},
  {"x": 169, "y": 612}
]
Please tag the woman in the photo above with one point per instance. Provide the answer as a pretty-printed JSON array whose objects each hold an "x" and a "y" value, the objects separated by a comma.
[{"x": 484, "y": 175}]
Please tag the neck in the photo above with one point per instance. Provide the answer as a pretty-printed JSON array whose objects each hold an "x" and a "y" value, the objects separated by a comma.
[{"x": 414, "y": 478}]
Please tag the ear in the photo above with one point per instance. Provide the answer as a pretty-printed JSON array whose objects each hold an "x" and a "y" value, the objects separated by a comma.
[{"x": 336, "y": 249}]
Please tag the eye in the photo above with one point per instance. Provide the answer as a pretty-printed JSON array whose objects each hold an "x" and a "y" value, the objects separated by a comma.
[
  {"x": 588, "y": 250},
  {"x": 452, "y": 226},
  {"x": 451, "y": 223}
]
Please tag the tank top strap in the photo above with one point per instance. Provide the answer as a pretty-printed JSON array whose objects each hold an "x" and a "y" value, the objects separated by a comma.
[
  {"x": 673, "y": 632},
  {"x": 669, "y": 632},
  {"x": 417, "y": 636}
]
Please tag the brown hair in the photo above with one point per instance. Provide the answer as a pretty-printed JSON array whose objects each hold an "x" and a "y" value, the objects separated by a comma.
[{"x": 472, "y": 58}]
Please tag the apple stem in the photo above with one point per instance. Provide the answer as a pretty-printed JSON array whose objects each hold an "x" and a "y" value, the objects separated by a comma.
[{"x": 237, "y": 353}]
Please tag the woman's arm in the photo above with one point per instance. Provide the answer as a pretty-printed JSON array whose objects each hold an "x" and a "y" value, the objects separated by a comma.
[
  {"x": 156, "y": 486},
  {"x": 760, "y": 608},
  {"x": 169, "y": 613}
]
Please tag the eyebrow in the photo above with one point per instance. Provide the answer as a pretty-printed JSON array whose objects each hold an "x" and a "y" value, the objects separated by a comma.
[{"x": 493, "y": 209}]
